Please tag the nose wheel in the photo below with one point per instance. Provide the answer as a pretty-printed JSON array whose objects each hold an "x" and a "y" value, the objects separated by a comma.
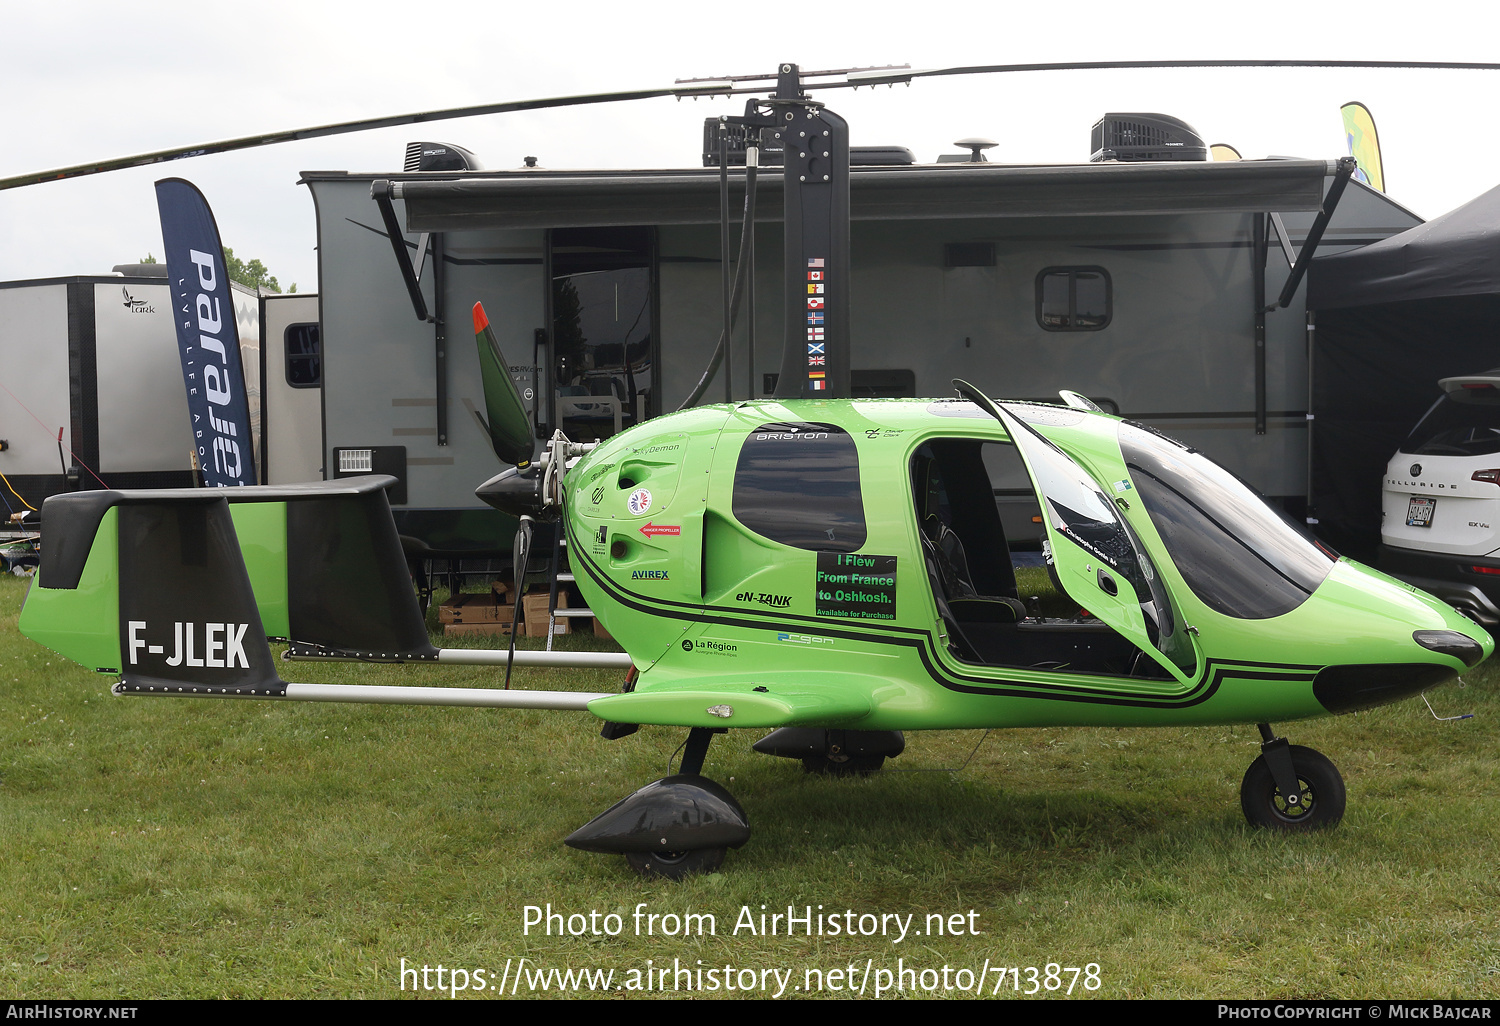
[
  {"x": 673, "y": 828},
  {"x": 1291, "y": 787}
]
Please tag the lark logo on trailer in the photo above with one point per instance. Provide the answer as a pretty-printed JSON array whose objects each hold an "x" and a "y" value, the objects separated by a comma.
[
  {"x": 136, "y": 305},
  {"x": 222, "y": 645}
]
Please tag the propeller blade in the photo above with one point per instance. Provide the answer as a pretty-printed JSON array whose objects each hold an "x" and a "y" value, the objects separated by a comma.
[{"x": 509, "y": 423}]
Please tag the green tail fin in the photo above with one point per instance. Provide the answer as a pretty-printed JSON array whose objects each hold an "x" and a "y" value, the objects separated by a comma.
[{"x": 509, "y": 424}]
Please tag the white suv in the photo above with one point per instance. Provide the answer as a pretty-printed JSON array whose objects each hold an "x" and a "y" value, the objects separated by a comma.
[{"x": 1440, "y": 510}]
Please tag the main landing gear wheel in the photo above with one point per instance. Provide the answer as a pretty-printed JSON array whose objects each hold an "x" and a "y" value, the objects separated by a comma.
[
  {"x": 1318, "y": 804},
  {"x": 675, "y": 865}
]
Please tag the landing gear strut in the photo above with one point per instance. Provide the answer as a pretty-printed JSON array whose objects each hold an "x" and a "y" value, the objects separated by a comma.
[
  {"x": 674, "y": 827},
  {"x": 1291, "y": 787}
]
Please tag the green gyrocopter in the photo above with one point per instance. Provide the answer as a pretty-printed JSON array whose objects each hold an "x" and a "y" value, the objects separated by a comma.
[{"x": 829, "y": 569}]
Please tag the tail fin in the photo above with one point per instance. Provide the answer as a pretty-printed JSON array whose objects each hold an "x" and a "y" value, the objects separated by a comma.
[
  {"x": 150, "y": 584},
  {"x": 509, "y": 424}
]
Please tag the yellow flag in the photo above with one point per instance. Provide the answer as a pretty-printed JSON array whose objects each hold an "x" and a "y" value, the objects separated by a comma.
[{"x": 1364, "y": 145}]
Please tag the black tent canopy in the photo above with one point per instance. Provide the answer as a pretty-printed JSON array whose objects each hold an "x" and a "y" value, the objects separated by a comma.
[
  {"x": 1452, "y": 255},
  {"x": 1392, "y": 318}
]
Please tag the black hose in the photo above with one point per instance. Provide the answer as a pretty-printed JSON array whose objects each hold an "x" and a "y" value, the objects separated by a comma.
[
  {"x": 734, "y": 300},
  {"x": 523, "y": 543}
]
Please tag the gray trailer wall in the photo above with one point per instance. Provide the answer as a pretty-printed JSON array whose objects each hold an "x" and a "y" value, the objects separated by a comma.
[
  {"x": 1180, "y": 342},
  {"x": 34, "y": 340},
  {"x": 379, "y": 361},
  {"x": 1178, "y": 353}
]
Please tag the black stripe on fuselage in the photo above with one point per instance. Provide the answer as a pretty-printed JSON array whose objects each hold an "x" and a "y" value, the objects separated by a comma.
[{"x": 1207, "y": 683}]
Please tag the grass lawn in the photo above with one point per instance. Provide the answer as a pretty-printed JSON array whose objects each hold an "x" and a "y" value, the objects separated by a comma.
[{"x": 211, "y": 848}]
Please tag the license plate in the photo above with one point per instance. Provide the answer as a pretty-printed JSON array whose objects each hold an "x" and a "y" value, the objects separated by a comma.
[{"x": 1419, "y": 511}]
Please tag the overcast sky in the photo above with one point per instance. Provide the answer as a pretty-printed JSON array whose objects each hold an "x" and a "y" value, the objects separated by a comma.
[{"x": 88, "y": 80}]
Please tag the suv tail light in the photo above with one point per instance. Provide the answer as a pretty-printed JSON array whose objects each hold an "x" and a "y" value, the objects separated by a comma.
[{"x": 1487, "y": 476}]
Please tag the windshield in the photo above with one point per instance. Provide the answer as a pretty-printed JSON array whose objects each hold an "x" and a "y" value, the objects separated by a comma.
[
  {"x": 1239, "y": 555},
  {"x": 1464, "y": 422}
]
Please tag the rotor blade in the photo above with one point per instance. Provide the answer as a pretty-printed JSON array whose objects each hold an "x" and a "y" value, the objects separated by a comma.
[
  {"x": 993, "y": 69},
  {"x": 715, "y": 87},
  {"x": 340, "y": 128}
]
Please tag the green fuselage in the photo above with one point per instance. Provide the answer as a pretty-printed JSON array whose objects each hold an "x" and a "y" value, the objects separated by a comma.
[{"x": 765, "y": 565}]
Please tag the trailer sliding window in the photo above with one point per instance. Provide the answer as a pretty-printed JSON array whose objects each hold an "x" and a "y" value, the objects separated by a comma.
[
  {"x": 304, "y": 356},
  {"x": 1074, "y": 298}
]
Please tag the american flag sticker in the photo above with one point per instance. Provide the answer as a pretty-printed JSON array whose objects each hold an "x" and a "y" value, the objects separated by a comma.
[
  {"x": 815, "y": 302},
  {"x": 815, "y": 262}
]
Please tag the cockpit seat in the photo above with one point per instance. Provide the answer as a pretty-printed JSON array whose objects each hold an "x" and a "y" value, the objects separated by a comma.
[{"x": 950, "y": 567}]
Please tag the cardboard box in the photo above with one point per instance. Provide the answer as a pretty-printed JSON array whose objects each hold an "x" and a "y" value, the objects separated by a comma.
[
  {"x": 474, "y": 609},
  {"x": 535, "y": 606},
  {"x": 496, "y": 629}
]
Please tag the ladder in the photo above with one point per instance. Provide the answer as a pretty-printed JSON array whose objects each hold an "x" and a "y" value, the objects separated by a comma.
[{"x": 557, "y": 576}]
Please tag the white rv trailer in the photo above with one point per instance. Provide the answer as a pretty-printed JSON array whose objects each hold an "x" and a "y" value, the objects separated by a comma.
[{"x": 95, "y": 358}]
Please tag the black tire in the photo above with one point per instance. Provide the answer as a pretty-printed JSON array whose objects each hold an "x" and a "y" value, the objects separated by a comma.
[
  {"x": 847, "y": 766},
  {"x": 675, "y": 865},
  {"x": 1321, "y": 802}
]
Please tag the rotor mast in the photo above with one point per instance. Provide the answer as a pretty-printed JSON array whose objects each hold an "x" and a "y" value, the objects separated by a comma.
[{"x": 815, "y": 344}]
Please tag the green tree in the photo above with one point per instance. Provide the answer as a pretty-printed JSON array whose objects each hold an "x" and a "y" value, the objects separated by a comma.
[{"x": 251, "y": 274}]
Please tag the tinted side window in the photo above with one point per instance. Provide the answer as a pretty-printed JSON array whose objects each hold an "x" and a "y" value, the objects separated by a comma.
[
  {"x": 1073, "y": 298},
  {"x": 798, "y": 484},
  {"x": 304, "y": 356}
]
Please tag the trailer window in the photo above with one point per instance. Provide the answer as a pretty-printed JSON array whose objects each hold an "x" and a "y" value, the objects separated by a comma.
[
  {"x": 304, "y": 356},
  {"x": 1073, "y": 298},
  {"x": 798, "y": 484}
]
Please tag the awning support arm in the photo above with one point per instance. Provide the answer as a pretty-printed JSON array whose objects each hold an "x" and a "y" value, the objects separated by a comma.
[
  {"x": 1343, "y": 169},
  {"x": 380, "y": 192},
  {"x": 1282, "y": 237}
]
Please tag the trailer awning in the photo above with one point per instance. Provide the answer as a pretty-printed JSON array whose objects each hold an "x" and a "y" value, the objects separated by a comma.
[{"x": 545, "y": 199}]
